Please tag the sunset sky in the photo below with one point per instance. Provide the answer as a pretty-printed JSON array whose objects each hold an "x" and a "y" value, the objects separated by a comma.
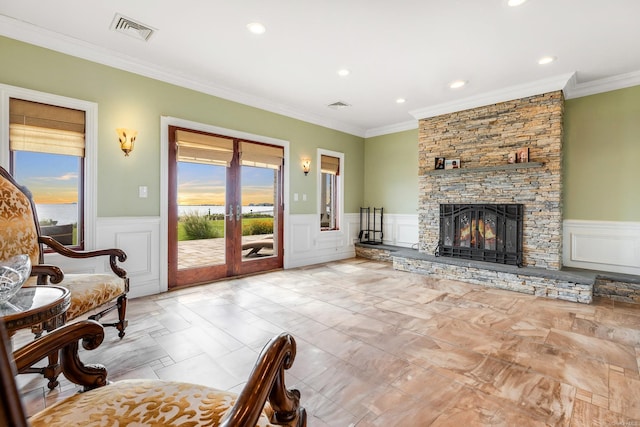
[
  {"x": 205, "y": 184},
  {"x": 53, "y": 179}
]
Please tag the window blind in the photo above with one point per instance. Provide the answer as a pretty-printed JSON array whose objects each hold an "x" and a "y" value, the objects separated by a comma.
[
  {"x": 330, "y": 164},
  {"x": 46, "y": 128},
  {"x": 206, "y": 149},
  {"x": 266, "y": 156}
]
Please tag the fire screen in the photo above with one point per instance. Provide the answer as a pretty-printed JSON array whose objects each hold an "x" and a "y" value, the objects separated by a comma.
[{"x": 481, "y": 232}]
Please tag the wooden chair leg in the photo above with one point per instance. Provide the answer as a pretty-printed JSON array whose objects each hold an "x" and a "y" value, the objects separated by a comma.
[
  {"x": 121, "y": 324},
  {"x": 122, "y": 312},
  {"x": 50, "y": 372}
]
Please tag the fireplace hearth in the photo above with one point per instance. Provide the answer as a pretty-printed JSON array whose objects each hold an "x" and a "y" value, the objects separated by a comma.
[{"x": 481, "y": 232}]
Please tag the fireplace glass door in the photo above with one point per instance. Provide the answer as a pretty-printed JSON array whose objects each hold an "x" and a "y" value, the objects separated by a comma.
[{"x": 482, "y": 232}]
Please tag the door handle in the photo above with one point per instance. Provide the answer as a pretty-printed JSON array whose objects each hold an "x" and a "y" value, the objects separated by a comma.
[{"x": 238, "y": 212}]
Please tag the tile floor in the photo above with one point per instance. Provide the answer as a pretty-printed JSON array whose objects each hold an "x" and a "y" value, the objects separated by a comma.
[{"x": 378, "y": 347}]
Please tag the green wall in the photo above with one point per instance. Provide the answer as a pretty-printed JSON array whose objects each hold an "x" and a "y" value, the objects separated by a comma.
[
  {"x": 391, "y": 172},
  {"x": 600, "y": 161},
  {"x": 128, "y": 100},
  {"x": 601, "y": 152},
  {"x": 601, "y": 143}
]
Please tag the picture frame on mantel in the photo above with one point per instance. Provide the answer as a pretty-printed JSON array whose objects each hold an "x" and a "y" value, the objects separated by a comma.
[
  {"x": 452, "y": 164},
  {"x": 512, "y": 157},
  {"x": 439, "y": 163},
  {"x": 523, "y": 155}
]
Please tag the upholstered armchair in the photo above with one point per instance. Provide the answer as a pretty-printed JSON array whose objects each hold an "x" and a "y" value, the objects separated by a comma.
[
  {"x": 264, "y": 401},
  {"x": 20, "y": 234}
]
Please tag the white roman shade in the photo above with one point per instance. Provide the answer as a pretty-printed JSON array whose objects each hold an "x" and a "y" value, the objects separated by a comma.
[
  {"x": 206, "y": 149},
  {"x": 330, "y": 164},
  {"x": 265, "y": 156},
  {"x": 45, "y": 128}
]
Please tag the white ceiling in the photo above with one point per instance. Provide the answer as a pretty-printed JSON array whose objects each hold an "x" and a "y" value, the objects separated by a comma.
[{"x": 402, "y": 48}]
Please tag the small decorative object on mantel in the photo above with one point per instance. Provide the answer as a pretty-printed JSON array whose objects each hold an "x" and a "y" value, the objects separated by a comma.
[
  {"x": 512, "y": 157},
  {"x": 523, "y": 155},
  {"x": 439, "y": 163},
  {"x": 452, "y": 164}
]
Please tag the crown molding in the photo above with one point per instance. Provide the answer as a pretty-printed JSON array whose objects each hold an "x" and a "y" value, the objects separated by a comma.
[
  {"x": 506, "y": 94},
  {"x": 397, "y": 127},
  {"x": 37, "y": 36},
  {"x": 621, "y": 81}
]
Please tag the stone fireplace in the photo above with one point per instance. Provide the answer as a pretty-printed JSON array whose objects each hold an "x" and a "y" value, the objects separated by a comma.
[{"x": 482, "y": 138}]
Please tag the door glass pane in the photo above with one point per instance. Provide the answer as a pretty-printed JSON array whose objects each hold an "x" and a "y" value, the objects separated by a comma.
[
  {"x": 259, "y": 196},
  {"x": 201, "y": 214}
]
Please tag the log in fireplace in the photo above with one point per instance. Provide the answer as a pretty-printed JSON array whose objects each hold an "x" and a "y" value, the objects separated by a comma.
[{"x": 481, "y": 232}]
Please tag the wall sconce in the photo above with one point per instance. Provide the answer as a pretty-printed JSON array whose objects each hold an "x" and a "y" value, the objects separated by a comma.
[
  {"x": 306, "y": 166},
  {"x": 127, "y": 137}
]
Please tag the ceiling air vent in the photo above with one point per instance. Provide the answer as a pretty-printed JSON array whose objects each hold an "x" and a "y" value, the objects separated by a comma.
[
  {"x": 338, "y": 105},
  {"x": 127, "y": 26}
]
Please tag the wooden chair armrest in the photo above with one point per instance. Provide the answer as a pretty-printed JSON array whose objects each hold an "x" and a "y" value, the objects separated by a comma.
[
  {"x": 47, "y": 273},
  {"x": 115, "y": 255},
  {"x": 66, "y": 340},
  {"x": 267, "y": 382}
]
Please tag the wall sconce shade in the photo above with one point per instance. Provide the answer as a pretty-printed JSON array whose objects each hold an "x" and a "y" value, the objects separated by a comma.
[
  {"x": 127, "y": 138},
  {"x": 306, "y": 166}
]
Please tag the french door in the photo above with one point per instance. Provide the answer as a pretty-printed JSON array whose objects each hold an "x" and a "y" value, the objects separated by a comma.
[{"x": 225, "y": 207}]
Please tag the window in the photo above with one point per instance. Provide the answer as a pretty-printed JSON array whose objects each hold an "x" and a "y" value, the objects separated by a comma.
[
  {"x": 47, "y": 153},
  {"x": 330, "y": 190}
]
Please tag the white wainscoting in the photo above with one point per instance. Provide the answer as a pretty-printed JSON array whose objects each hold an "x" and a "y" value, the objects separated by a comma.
[
  {"x": 400, "y": 230},
  {"x": 308, "y": 245},
  {"x": 139, "y": 237},
  {"x": 602, "y": 245}
]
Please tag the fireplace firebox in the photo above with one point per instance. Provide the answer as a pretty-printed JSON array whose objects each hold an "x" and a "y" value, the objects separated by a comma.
[{"x": 481, "y": 232}]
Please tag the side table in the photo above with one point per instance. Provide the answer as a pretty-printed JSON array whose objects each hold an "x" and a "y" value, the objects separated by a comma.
[{"x": 38, "y": 307}]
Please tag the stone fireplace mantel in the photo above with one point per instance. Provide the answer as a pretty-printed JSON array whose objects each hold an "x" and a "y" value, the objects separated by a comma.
[{"x": 483, "y": 169}]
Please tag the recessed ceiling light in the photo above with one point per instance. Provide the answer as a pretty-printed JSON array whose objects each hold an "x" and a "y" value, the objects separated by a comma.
[
  {"x": 401, "y": 101},
  {"x": 546, "y": 60},
  {"x": 457, "y": 84},
  {"x": 256, "y": 28},
  {"x": 344, "y": 72},
  {"x": 514, "y": 3}
]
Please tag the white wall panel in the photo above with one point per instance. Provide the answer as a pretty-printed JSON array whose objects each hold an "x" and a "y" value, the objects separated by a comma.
[
  {"x": 140, "y": 238},
  {"x": 400, "y": 230},
  {"x": 602, "y": 245},
  {"x": 308, "y": 245}
]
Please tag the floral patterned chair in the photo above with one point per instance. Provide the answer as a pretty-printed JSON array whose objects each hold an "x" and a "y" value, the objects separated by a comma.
[
  {"x": 20, "y": 234},
  {"x": 264, "y": 401}
]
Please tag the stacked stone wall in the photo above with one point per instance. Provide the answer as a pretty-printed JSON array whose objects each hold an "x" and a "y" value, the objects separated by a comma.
[
  {"x": 482, "y": 139},
  {"x": 617, "y": 290},
  {"x": 567, "y": 290},
  {"x": 376, "y": 254}
]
